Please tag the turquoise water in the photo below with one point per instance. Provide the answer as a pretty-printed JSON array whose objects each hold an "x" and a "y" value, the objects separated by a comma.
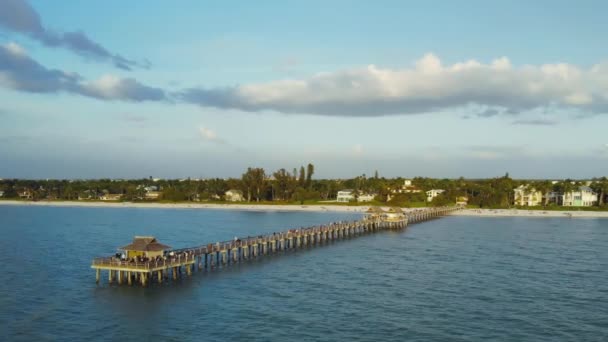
[{"x": 453, "y": 279}]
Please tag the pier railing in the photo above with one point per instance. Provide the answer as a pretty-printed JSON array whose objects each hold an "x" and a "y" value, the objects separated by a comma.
[
  {"x": 144, "y": 265},
  {"x": 223, "y": 253}
]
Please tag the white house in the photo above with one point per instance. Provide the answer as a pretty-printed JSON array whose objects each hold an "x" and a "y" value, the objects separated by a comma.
[
  {"x": 233, "y": 195},
  {"x": 110, "y": 197},
  {"x": 525, "y": 195},
  {"x": 365, "y": 198},
  {"x": 433, "y": 193},
  {"x": 582, "y": 197},
  {"x": 1, "y": 193},
  {"x": 152, "y": 195},
  {"x": 346, "y": 195}
]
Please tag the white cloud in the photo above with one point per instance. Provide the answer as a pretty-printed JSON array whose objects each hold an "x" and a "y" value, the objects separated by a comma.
[
  {"x": 208, "y": 134},
  {"x": 428, "y": 86},
  {"x": 15, "y": 49},
  {"x": 358, "y": 149}
]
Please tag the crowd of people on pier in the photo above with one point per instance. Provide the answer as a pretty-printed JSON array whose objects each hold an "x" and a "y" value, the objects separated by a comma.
[{"x": 168, "y": 256}]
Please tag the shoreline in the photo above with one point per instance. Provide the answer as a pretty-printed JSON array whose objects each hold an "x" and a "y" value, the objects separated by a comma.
[
  {"x": 153, "y": 205},
  {"x": 530, "y": 213},
  {"x": 309, "y": 208}
]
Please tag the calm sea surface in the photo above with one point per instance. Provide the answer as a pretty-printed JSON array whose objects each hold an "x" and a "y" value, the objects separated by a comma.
[{"x": 453, "y": 279}]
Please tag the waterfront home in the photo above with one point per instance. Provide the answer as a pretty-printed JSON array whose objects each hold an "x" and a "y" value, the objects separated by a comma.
[
  {"x": 110, "y": 197},
  {"x": 433, "y": 193},
  {"x": 25, "y": 194},
  {"x": 407, "y": 187},
  {"x": 462, "y": 200},
  {"x": 346, "y": 195},
  {"x": 234, "y": 195},
  {"x": 583, "y": 196},
  {"x": 365, "y": 197},
  {"x": 87, "y": 195},
  {"x": 525, "y": 195},
  {"x": 144, "y": 246},
  {"x": 152, "y": 195}
]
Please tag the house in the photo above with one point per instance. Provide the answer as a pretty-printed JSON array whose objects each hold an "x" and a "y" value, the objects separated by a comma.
[
  {"x": 25, "y": 194},
  {"x": 152, "y": 195},
  {"x": 86, "y": 195},
  {"x": 408, "y": 187},
  {"x": 110, "y": 197},
  {"x": 525, "y": 195},
  {"x": 433, "y": 193},
  {"x": 583, "y": 196},
  {"x": 366, "y": 197},
  {"x": 233, "y": 195},
  {"x": 1, "y": 193},
  {"x": 346, "y": 195},
  {"x": 144, "y": 246},
  {"x": 462, "y": 200}
]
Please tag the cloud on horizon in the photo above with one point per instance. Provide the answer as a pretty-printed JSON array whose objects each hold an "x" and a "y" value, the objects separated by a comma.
[
  {"x": 20, "y": 72},
  {"x": 18, "y": 16},
  {"x": 429, "y": 86}
]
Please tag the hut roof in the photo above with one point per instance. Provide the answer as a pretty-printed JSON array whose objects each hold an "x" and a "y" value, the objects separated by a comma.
[
  {"x": 396, "y": 210},
  {"x": 145, "y": 244},
  {"x": 374, "y": 210}
]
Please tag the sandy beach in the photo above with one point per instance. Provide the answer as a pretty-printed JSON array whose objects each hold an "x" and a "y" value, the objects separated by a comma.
[
  {"x": 531, "y": 213},
  {"x": 264, "y": 207},
  {"x": 310, "y": 208}
]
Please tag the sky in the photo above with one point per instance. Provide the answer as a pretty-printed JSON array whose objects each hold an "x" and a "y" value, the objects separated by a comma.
[{"x": 115, "y": 89}]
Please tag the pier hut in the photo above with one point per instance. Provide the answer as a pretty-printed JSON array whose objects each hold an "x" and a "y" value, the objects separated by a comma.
[
  {"x": 144, "y": 246},
  {"x": 394, "y": 214},
  {"x": 375, "y": 213}
]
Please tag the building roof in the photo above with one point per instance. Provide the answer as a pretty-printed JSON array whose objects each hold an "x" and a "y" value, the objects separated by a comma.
[{"x": 145, "y": 244}]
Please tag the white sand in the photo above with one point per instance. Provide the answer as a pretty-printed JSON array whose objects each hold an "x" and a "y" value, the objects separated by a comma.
[
  {"x": 308, "y": 208},
  {"x": 530, "y": 213},
  {"x": 263, "y": 207}
]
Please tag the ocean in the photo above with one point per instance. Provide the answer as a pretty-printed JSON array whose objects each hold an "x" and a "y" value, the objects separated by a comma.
[{"x": 451, "y": 279}]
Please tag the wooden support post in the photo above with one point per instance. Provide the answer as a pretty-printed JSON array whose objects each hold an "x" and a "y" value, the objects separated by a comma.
[
  {"x": 110, "y": 277},
  {"x": 129, "y": 278},
  {"x": 119, "y": 277},
  {"x": 160, "y": 276},
  {"x": 97, "y": 274},
  {"x": 174, "y": 272}
]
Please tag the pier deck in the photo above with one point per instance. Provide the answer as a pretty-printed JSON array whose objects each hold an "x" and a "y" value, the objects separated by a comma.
[{"x": 221, "y": 254}]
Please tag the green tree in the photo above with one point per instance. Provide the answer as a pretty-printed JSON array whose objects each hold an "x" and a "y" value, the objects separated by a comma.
[{"x": 310, "y": 169}]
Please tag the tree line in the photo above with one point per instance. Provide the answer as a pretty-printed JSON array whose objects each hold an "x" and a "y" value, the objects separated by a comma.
[{"x": 296, "y": 186}]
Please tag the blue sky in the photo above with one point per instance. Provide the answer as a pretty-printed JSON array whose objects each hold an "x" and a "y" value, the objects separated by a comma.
[{"x": 206, "y": 89}]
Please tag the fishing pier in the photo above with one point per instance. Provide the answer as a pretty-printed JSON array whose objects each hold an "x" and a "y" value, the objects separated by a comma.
[{"x": 146, "y": 260}]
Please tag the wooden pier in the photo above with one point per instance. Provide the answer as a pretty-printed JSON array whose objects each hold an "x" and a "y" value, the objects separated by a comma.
[{"x": 146, "y": 260}]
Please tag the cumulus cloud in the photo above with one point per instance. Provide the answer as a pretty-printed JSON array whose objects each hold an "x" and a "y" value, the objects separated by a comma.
[
  {"x": 428, "y": 86},
  {"x": 20, "y": 72},
  {"x": 19, "y": 16},
  {"x": 208, "y": 134}
]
